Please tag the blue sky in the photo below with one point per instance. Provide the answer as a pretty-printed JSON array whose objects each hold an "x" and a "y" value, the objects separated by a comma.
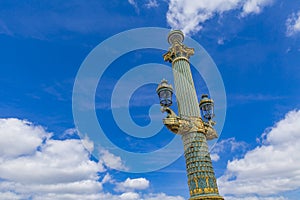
[{"x": 254, "y": 43}]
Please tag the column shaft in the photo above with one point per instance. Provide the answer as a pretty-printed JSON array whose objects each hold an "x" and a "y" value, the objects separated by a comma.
[{"x": 201, "y": 178}]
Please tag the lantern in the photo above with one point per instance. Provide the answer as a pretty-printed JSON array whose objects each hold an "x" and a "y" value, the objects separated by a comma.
[
  {"x": 207, "y": 107},
  {"x": 165, "y": 92}
]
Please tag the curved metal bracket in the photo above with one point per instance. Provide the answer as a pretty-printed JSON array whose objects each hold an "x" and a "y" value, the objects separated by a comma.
[
  {"x": 186, "y": 124},
  {"x": 181, "y": 125},
  {"x": 210, "y": 132}
]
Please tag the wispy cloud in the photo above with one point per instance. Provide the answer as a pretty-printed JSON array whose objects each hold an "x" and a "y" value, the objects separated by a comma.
[
  {"x": 293, "y": 24},
  {"x": 227, "y": 146},
  {"x": 61, "y": 91},
  {"x": 4, "y": 29},
  {"x": 246, "y": 98},
  {"x": 151, "y": 4},
  {"x": 134, "y": 4},
  {"x": 143, "y": 4},
  {"x": 230, "y": 145}
]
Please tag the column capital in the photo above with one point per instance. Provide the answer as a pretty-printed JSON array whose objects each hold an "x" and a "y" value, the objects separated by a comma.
[{"x": 177, "y": 49}]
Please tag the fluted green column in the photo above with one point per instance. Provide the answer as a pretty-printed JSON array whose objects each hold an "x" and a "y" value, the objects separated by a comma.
[{"x": 201, "y": 178}]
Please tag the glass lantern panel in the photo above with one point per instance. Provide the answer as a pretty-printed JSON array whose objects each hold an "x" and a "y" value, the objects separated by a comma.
[
  {"x": 165, "y": 97},
  {"x": 165, "y": 94}
]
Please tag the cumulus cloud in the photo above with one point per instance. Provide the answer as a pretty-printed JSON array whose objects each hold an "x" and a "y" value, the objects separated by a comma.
[
  {"x": 87, "y": 143},
  {"x": 130, "y": 196},
  {"x": 136, "y": 196},
  {"x": 255, "y": 6},
  {"x": 56, "y": 162},
  {"x": 33, "y": 163},
  {"x": 19, "y": 137},
  {"x": 254, "y": 198},
  {"x": 293, "y": 24},
  {"x": 189, "y": 16},
  {"x": 111, "y": 160},
  {"x": 107, "y": 179},
  {"x": 133, "y": 184},
  {"x": 35, "y": 166},
  {"x": 272, "y": 167},
  {"x": 161, "y": 196}
]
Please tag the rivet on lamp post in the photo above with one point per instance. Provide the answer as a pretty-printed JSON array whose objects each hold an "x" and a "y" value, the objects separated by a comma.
[{"x": 194, "y": 129}]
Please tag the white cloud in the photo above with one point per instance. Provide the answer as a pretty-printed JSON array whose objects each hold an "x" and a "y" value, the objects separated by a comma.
[
  {"x": 254, "y": 198},
  {"x": 111, "y": 160},
  {"x": 190, "y": 15},
  {"x": 255, "y": 6},
  {"x": 134, "y": 4},
  {"x": 33, "y": 164},
  {"x": 133, "y": 184},
  {"x": 293, "y": 24},
  {"x": 57, "y": 161},
  {"x": 228, "y": 145},
  {"x": 151, "y": 4},
  {"x": 40, "y": 188},
  {"x": 136, "y": 196},
  {"x": 107, "y": 179},
  {"x": 161, "y": 196},
  {"x": 19, "y": 137},
  {"x": 130, "y": 196},
  {"x": 87, "y": 143},
  {"x": 11, "y": 195},
  {"x": 220, "y": 41},
  {"x": 69, "y": 132},
  {"x": 268, "y": 169},
  {"x": 214, "y": 157},
  {"x": 45, "y": 169}
]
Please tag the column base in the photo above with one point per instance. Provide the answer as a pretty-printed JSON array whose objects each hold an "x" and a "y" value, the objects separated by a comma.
[{"x": 207, "y": 198}]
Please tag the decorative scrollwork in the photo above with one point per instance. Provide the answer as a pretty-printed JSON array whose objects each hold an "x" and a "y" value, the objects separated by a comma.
[{"x": 186, "y": 124}]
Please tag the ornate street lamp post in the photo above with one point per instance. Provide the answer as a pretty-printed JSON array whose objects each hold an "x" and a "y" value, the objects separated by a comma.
[{"x": 194, "y": 130}]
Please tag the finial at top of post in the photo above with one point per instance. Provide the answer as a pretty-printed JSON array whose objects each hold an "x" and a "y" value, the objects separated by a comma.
[{"x": 175, "y": 36}]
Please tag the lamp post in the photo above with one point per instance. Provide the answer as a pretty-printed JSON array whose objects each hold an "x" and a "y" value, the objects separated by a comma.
[{"x": 194, "y": 129}]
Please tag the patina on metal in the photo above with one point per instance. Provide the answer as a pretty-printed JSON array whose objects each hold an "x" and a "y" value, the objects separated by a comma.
[{"x": 194, "y": 128}]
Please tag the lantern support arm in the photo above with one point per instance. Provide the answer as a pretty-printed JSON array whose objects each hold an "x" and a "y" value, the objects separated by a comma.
[
  {"x": 186, "y": 124},
  {"x": 210, "y": 132},
  {"x": 169, "y": 111}
]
